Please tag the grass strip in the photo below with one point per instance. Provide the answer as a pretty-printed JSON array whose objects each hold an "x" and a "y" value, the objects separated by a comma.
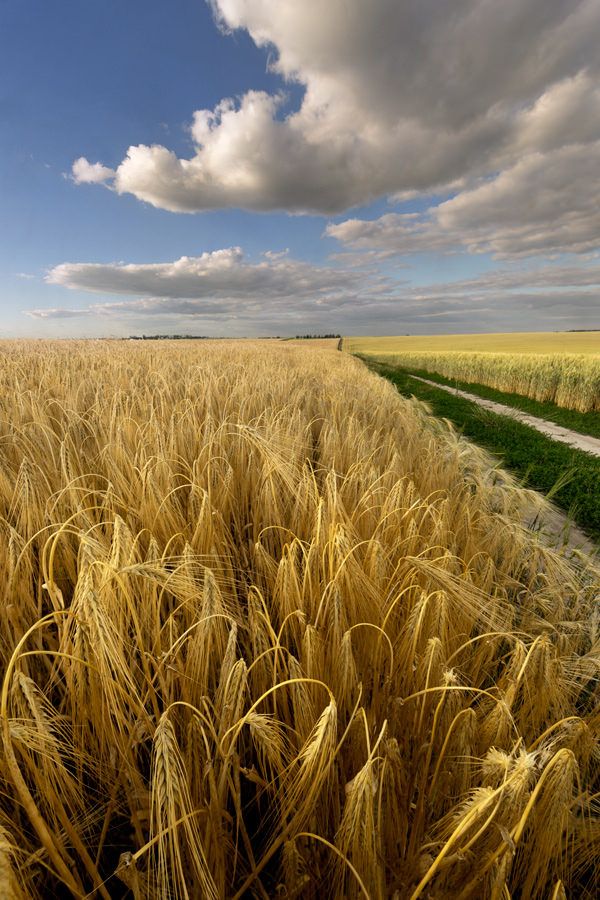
[
  {"x": 584, "y": 423},
  {"x": 538, "y": 461}
]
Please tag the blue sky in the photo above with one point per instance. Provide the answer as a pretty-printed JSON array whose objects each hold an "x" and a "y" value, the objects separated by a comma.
[{"x": 349, "y": 183}]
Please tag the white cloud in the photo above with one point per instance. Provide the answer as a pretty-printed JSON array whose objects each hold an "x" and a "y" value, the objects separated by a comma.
[
  {"x": 567, "y": 113},
  {"x": 223, "y": 290},
  {"x": 220, "y": 275},
  {"x": 275, "y": 292},
  {"x": 400, "y": 97},
  {"x": 57, "y": 313},
  {"x": 84, "y": 172},
  {"x": 549, "y": 281},
  {"x": 545, "y": 204},
  {"x": 248, "y": 159},
  {"x": 402, "y": 233}
]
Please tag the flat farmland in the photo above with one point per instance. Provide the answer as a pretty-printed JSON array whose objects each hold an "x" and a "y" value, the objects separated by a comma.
[
  {"x": 560, "y": 369},
  {"x": 529, "y": 385},
  {"x": 572, "y": 342},
  {"x": 269, "y": 628},
  {"x": 322, "y": 343}
]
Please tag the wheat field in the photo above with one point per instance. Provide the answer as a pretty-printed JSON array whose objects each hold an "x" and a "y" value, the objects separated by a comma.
[
  {"x": 271, "y": 630},
  {"x": 561, "y": 368},
  {"x": 568, "y": 380},
  {"x": 529, "y": 342}
]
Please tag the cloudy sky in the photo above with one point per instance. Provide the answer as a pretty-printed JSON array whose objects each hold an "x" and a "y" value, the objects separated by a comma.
[{"x": 240, "y": 167}]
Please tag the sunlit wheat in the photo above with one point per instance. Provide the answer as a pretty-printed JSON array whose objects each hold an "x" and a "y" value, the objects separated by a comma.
[{"x": 268, "y": 629}]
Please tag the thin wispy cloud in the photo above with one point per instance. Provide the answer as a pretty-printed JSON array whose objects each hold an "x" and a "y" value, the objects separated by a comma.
[
  {"x": 222, "y": 273},
  {"x": 277, "y": 292},
  {"x": 220, "y": 284}
]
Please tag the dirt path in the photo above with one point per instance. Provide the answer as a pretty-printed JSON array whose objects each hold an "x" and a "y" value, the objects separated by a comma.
[
  {"x": 556, "y": 432},
  {"x": 554, "y": 526},
  {"x": 557, "y": 530}
]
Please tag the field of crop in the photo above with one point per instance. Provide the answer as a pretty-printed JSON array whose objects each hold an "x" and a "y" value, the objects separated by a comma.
[
  {"x": 568, "y": 379},
  {"x": 572, "y": 342},
  {"x": 268, "y": 629}
]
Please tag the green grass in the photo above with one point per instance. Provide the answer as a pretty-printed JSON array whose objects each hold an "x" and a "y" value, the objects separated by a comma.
[
  {"x": 538, "y": 461},
  {"x": 584, "y": 423}
]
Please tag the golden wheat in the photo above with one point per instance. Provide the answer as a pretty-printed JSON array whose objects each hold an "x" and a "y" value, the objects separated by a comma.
[
  {"x": 533, "y": 369},
  {"x": 270, "y": 630},
  {"x": 544, "y": 342}
]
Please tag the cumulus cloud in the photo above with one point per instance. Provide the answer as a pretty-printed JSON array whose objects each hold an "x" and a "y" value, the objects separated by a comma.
[
  {"x": 245, "y": 158},
  {"x": 85, "y": 172},
  {"x": 545, "y": 204},
  {"x": 220, "y": 275},
  {"x": 400, "y": 96},
  {"x": 567, "y": 113}
]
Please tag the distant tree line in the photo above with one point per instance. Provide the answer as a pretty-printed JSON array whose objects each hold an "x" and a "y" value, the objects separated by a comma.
[
  {"x": 206, "y": 337},
  {"x": 312, "y": 337}
]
